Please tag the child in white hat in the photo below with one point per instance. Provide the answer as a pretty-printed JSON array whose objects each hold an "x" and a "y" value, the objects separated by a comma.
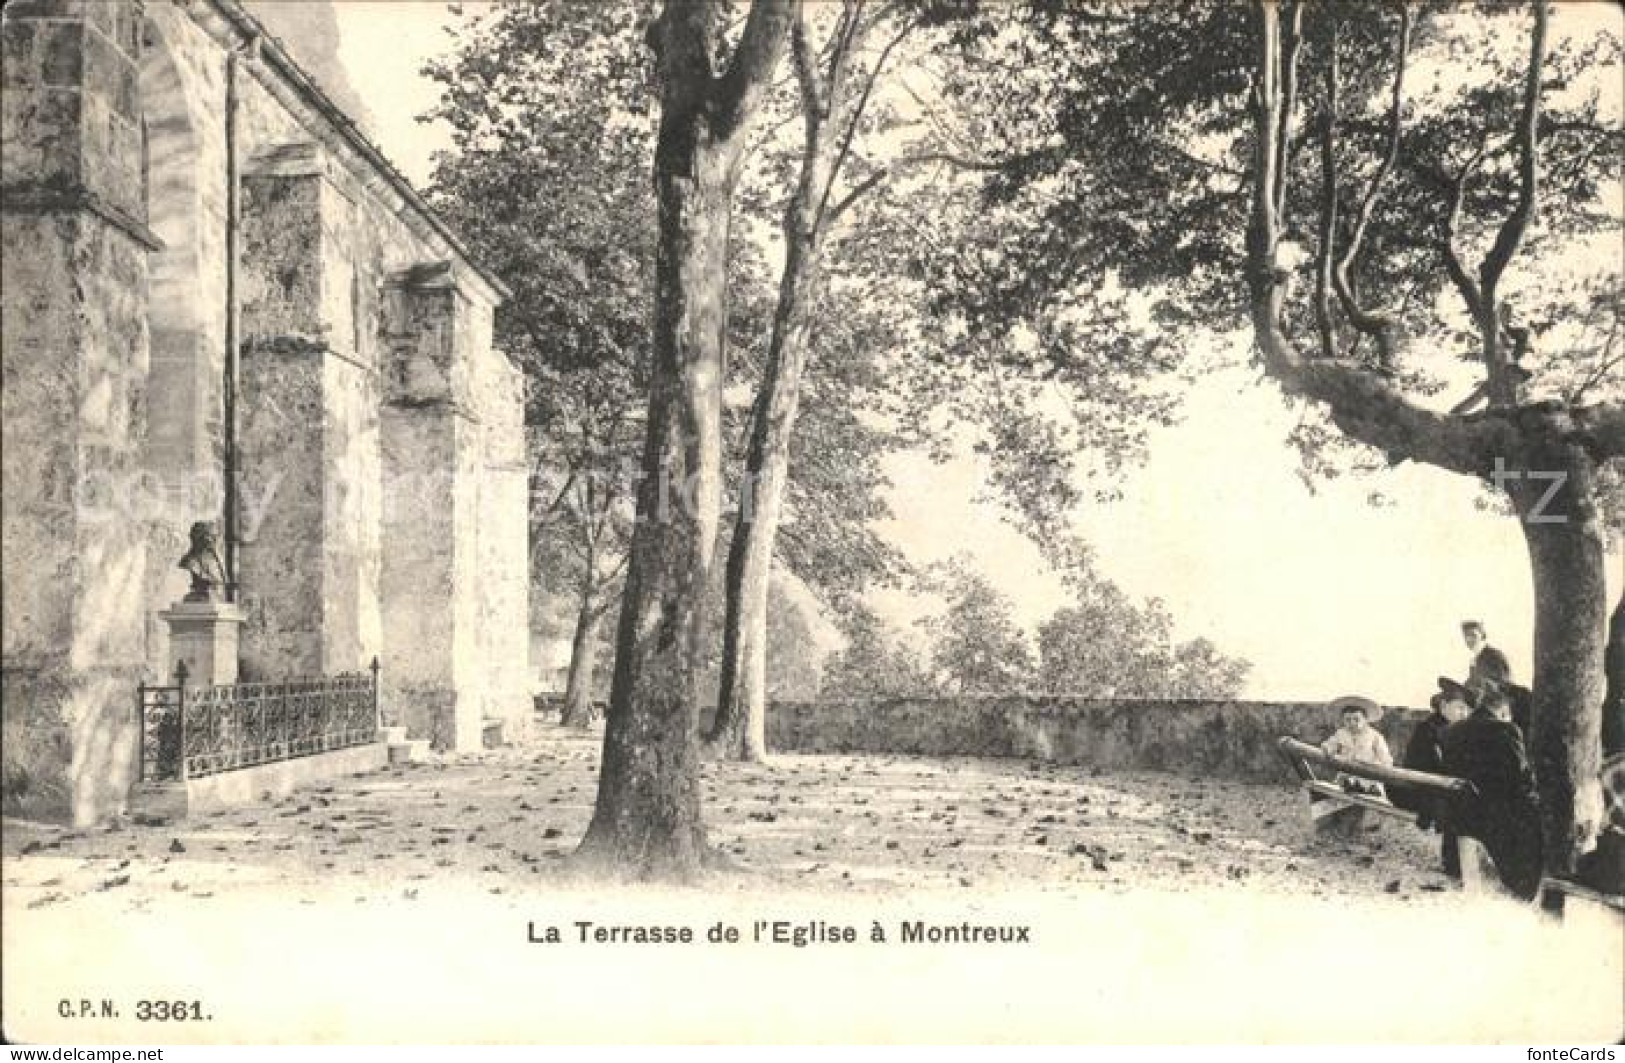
[{"x": 1356, "y": 739}]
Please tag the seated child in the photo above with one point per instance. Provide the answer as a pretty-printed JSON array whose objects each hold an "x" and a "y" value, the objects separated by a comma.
[{"x": 1356, "y": 739}]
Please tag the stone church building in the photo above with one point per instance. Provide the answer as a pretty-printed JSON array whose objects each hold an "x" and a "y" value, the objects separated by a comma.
[{"x": 221, "y": 303}]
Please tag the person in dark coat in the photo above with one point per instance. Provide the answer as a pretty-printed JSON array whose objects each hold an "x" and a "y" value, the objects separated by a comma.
[
  {"x": 1425, "y": 752},
  {"x": 1452, "y": 704},
  {"x": 1488, "y": 751},
  {"x": 1488, "y": 664}
]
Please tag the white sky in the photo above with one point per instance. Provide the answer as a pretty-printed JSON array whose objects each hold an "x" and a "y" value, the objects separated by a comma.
[{"x": 1325, "y": 593}]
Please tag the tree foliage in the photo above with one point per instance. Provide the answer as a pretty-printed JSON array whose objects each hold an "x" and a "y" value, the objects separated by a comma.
[
  {"x": 1378, "y": 191},
  {"x": 876, "y": 662},
  {"x": 1107, "y": 646},
  {"x": 1122, "y": 135},
  {"x": 978, "y": 648},
  {"x": 550, "y": 111}
]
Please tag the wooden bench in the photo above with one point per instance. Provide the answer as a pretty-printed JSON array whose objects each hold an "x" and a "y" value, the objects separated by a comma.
[
  {"x": 1604, "y": 888},
  {"x": 1556, "y": 892},
  {"x": 1332, "y": 809}
]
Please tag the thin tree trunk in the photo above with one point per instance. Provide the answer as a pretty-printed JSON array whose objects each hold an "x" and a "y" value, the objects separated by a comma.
[
  {"x": 583, "y": 658},
  {"x": 1566, "y": 552},
  {"x": 740, "y": 728},
  {"x": 646, "y": 822}
]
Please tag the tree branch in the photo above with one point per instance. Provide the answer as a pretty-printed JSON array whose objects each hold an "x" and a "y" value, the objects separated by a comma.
[
  {"x": 1503, "y": 388},
  {"x": 1379, "y": 326},
  {"x": 1511, "y": 234},
  {"x": 847, "y": 37},
  {"x": 1326, "y": 252},
  {"x": 750, "y": 71},
  {"x": 558, "y": 500},
  {"x": 1464, "y": 281},
  {"x": 824, "y": 213},
  {"x": 1289, "y": 102},
  {"x": 1265, "y": 286},
  {"x": 1369, "y": 409},
  {"x": 954, "y": 159},
  {"x": 602, "y": 606},
  {"x": 1597, "y": 375},
  {"x": 857, "y": 192},
  {"x": 814, "y": 91},
  {"x": 1364, "y": 405}
]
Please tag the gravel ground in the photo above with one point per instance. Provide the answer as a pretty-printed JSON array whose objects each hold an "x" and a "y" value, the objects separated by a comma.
[
  {"x": 505, "y": 819},
  {"x": 412, "y": 905}
]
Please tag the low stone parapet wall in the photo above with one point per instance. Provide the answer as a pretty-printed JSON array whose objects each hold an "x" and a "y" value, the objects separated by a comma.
[{"x": 1223, "y": 739}]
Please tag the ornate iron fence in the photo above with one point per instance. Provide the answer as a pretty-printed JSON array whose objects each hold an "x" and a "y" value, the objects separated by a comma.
[{"x": 187, "y": 732}]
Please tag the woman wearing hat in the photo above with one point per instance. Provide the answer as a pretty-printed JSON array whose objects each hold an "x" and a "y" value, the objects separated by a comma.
[
  {"x": 1453, "y": 702},
  {"x": 1355, "y": 738},
  {"x": 1425, "y": 752}
]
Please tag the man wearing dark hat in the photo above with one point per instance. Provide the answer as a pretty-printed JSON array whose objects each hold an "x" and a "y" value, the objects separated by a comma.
[
  {"x": 1488, "y": 751},
  {"x": 1452, "y": 704}
]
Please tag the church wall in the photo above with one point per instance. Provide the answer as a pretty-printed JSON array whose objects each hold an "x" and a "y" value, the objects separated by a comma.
[
  {"x": 435, "y": 671},
  {"x": 504, "y": 541},
  {"x": 74, "y": 350},
  {"x": 182, "y": 83},
  {"x": 81, "y": 599},
  {"x": 363, "y": 241}
]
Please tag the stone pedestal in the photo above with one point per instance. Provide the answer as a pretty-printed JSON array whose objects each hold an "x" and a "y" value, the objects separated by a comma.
[{"x": 204, "y": 635}]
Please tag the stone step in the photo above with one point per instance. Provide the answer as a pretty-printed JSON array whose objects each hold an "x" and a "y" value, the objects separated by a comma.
[
  {"x": 491, "y": 733},
  {"x": 412, "y": 751}
]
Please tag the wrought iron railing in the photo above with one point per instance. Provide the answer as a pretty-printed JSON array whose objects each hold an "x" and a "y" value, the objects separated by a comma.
[{"x": 187, "y": 732}]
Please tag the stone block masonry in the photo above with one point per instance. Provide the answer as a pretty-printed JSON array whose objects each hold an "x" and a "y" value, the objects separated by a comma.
[
  {"x": 116, "y": 151},
  {"x": 308, "y": 436},
  {"x": 432, "y": 451},
  {"x": 73, "y": 255}
]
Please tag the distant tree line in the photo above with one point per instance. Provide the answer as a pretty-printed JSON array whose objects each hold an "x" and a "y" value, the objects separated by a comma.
[{"x": 1103, "y": 645}]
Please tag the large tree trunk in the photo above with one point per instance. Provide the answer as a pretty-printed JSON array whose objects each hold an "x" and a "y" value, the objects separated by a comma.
[
  {"x": 1613, "y": 702},
  {"x": 740, "y": 728},
  {"x": 583, "y": 659},
  {"x": 1565, "y": 538},
  {"x": 647, "y": 817},
  {"x": 646, "y": 822}
]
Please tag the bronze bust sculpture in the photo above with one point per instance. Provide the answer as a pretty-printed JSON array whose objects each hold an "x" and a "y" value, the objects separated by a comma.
[{"x": 202, "y": 563}]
